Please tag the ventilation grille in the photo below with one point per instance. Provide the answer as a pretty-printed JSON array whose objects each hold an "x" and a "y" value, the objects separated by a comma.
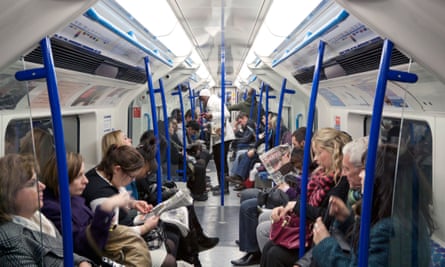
[
  {"x": 71, "y": 57},
  {"x": 357, "y": 61}
]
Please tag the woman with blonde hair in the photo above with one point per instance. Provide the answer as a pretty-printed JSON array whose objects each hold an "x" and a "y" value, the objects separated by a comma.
[
  {"x": 326, "y": 181},
  {"x": 117, "y": 137}
]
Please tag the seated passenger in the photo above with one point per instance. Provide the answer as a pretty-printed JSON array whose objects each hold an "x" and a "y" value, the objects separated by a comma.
[
  {"x": 118, "y": 168},
  {"x": 244, "y": 137},
  {"x": 326, "y": 181},
  {"x": 23, "y": 242},
  {"x": 196, "y": 241},
  {"x": 394, "y": 220},
  {"x": 248, "y": 214},
  {"x": 352, "y": 165},
  {"x": 100, "y": 221}
]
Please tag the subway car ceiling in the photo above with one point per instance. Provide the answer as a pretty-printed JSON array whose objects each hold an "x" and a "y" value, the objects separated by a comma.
[{"x": 351, "y": 60}]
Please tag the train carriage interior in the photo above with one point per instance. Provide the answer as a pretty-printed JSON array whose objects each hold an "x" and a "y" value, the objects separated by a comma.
[{"x": 116, "y": 68}]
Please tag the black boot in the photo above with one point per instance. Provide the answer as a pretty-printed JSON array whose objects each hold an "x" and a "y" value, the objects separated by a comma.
[{"x": 204, "y": 242}]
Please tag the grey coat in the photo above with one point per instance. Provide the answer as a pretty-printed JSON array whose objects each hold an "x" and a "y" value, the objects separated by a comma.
[{"x": 20, "y": 246}]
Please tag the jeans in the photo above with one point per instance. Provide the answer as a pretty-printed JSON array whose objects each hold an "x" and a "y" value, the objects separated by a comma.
[{"x": 248, "y": 221}]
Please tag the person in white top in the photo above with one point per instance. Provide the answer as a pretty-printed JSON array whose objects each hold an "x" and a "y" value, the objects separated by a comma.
[{"x": 213, "y": 114}]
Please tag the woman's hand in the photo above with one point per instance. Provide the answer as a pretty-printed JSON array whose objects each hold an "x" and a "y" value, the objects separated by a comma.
[
  {"x": 279, "y": 212},
  {"x": 142, "y": 206},
  {"x": 149, "y": 224},
  {"x": 122, "y": 200},
  {"x": 338, "y": 209},
  {"x": 85, "y": 264},
  {"x": 320, "y": 231}
]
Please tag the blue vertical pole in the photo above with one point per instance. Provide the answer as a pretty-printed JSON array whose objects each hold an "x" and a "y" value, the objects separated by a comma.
[
  {"x": 280, "y": 107},
  {"x": 260, "y": 101},
  {"x": 151, "y": 93},
  {"x": 223, "y": 99},
  {"x": 266, "y": 127},
  {"x": 307, "y": 145},
  {"x": 384, "y": 75},
  {"x": 49, "y": 73},
  {"x": 184, "y": 143},
  {"x": 166, "y": 126},
  {"x": 252, "y": 106}
]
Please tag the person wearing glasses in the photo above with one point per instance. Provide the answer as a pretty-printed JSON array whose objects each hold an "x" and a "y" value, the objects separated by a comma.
[{"x": 27, "y": 237}]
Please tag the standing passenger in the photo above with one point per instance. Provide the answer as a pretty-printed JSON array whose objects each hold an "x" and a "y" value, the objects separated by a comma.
[{"x": 213, "y": 113}]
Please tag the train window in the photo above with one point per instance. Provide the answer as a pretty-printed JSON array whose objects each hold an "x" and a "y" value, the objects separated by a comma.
[
  {"x": 412, "y": 199},
  {"x": 18, "y": 130},
  {"x": 415, "y": 136}
]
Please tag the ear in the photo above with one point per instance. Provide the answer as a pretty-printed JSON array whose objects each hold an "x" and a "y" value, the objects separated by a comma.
[{"x": 117, "y": 168}]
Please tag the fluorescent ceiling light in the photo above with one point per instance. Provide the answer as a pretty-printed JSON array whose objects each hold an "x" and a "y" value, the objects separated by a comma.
[
  {"x": 159, "y": 19},
  {"x": 283, "y": 17}
]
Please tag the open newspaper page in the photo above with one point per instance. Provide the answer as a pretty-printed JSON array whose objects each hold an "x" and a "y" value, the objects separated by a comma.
[{"x": 274, "y": 159}]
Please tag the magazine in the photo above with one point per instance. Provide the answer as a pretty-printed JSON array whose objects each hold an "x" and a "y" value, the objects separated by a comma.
[{"x": 274, "y": 159}]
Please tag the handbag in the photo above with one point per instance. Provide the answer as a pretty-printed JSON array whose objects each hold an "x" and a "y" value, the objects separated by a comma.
[
  {"x": 272, "y": 197},
  {"x": 285, "y": 231},
  {"x": 123, "y": 246}
]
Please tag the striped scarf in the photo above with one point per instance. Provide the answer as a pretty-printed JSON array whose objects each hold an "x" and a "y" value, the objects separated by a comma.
[{"x": 318, "y": 187}]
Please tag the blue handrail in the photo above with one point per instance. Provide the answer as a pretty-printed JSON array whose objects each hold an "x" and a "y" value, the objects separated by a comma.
[
  {"x": 280, "y": 110},
  {"x": 324, "y": 29},
  {"x": 166, "y": 126},
  {"x": 93, "y": 15},
  {"x": 223, "y": 100},
  {"x": 384, "y": 75},
  {"x": 49, "y": 73},
  {"x": 307, "y": 145},
  {"x": 297, "y": 120},
  {"x": 151, "y": 93},
  {"x": 147, "y": 116}
]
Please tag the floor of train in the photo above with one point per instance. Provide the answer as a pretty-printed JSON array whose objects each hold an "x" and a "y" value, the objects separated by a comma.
[{"x": 220, "y": 221}]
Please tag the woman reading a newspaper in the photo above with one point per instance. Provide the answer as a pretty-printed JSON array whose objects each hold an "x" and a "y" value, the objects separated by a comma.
[
  {"x": 326, "y": 181},
  {"x": 119, "y": 166},
  {"x": 83, "y": 218}
]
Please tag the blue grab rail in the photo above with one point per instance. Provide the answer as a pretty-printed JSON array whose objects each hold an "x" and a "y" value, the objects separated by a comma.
[
  {"x": 307, "y": 145},
  {"x": 49, "y": 73},
  {"x": 151, "y": 93},
  {"x": 280, "y": 110},
  {"x": 223, "y": 100},
  {"x": 324, "y": 29},
  {"x": 166, "y": 126},
  {"x": 93, "y": 15},
  {"x": 384, "y": 75}
]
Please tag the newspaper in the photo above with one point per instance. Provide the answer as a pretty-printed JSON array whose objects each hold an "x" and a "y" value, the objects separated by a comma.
[{"x": 274, "y": 159}]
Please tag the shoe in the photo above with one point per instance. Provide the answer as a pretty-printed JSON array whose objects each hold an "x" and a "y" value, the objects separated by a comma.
[
  {"x": 239, "y": 187},
  {"x": 235, "y": 179},
  {"x": 215, "y": 188},
  {"x": 250, "y": 258},
  {"x": 206, "y": 243},
  {"x": 200, "y": 197},
  {"x": 218, "y": 192}
]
